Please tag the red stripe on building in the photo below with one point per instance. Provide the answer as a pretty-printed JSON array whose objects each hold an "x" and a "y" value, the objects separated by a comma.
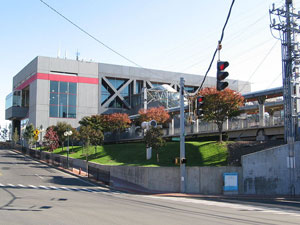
[{"x": 57, "y": 77}]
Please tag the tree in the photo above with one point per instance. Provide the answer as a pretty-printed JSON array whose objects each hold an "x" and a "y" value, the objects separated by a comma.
[
  {"x": 4, "y": 134},
  {"x": 51, "y": 139},
  {"x": 155, "y": 113},
  {"x": 16, "y": 137},
  {"x": 96, "y": 138},
  {"x": 220, "y": 106},
  {"x": 97, "y": 122},
  {"x": 117, "y": 121},
  {"x": 85, "y": 134},
  {"x": 28, "y": 135},
  {"x": 74, "y": 137},
  {"x": 154, "y": 139},
  {"x": 60, "y": 129}
]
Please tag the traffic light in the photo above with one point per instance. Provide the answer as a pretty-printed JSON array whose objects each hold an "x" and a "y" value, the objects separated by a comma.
[
  {"x": 221, "y": 75},
  {"x": 200, "y": 104}
]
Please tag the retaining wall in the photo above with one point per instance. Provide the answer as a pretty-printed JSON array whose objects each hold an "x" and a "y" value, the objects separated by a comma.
[
  {"x": 204, "y": 180},
  {"x": 267, "y": 173}
]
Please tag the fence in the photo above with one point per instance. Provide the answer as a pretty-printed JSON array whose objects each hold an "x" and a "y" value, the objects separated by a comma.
[{"x": 134, "y": 132}]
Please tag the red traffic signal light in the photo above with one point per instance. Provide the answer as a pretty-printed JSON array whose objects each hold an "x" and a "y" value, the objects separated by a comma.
[
  {"x": 200, "y": 99},
  {"x": 199, "y": 105},
  {"x": 221, "y": 75}
]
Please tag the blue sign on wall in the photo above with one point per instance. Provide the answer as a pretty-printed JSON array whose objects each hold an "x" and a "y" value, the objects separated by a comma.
[{"x": 230, "y": 181}]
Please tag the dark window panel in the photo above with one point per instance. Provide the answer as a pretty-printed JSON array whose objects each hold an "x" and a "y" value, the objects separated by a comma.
[
  {"x": 72, "y": 100},
  {"x": 53, "y": 99},
  {"x": 53, "y": 111},
  {"x": 54, "y": 86},
  {"x": 71, "y": 112},
  {"x": 63, "y": 99},
  {"x": 73, "y": 88},
  {"x": 63, "y": 87},
  {"x": 63, "y": 110}
]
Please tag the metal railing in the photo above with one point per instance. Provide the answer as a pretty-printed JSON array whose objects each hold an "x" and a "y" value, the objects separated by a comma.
[{"x": 203, "y": 127}]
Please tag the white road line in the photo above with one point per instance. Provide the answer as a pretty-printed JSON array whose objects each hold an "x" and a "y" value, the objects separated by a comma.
[
  {"x": 52, "y": 187},
  {"x": 38, "y": 176},
  {"x": 44, "y": 187},
  {"x": 64, "y": 188},
  {"x": 86, "y": 189}
]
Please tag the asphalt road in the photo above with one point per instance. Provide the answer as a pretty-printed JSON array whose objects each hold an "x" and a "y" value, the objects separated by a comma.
[{"x": 34, "y": 193}]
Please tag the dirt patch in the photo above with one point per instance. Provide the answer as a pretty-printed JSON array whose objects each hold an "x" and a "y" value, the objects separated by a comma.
[{"x": 239, "y": 148}]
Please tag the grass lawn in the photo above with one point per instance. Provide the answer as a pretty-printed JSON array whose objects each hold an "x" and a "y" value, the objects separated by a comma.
[{"x": 209, "y": 153}]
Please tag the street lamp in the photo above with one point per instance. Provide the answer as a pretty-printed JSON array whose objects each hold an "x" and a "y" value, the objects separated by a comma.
[
  {"x": 68, "y": 133},
  {"x": 41, "y": 136}
]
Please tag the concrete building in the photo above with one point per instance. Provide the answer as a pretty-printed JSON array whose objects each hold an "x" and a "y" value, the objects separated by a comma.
[{"x": 49, "y": 90}]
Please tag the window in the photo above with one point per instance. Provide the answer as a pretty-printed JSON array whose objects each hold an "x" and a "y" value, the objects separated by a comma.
[
  {"x": 190, "y": 89},
  {"x": 139, "y": 86},
  {"x": 63, "y": 96}
]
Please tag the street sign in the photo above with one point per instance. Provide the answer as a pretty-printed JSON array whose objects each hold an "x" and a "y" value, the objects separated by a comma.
[
  {"x": 36, "y": 132},
  {"x": 175, "y": 138}
]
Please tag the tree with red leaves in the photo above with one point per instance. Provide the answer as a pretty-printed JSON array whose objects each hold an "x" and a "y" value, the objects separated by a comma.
[
  {"x": 51, "y": 139},
  {"x": 155, "y": 113},
  {"x": 220, "y": 106},
  {"x": 117, "y": 121}
]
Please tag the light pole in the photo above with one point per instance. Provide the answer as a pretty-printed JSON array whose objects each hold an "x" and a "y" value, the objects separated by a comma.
[
  {"x": 41, "y": 136},
  {"x": 68, "y": 133}
]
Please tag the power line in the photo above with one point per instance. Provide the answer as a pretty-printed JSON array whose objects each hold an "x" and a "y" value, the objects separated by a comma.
[
  {"x": 215, "y": 52},
  {"x": 279, "y": 75},
  {"x": 263, "y": 60},
  {"x": 90, "y": 35}
]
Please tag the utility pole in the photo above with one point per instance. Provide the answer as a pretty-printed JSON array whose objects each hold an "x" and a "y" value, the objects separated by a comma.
[
  {"x": 288, "y": 30},
  {"x": 182, "y": 139}
]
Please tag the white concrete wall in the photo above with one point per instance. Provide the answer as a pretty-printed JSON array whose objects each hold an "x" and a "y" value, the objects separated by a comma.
[{"x": 266, "y": 172}]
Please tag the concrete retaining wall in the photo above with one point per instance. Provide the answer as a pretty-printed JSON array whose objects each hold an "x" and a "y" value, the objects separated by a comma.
[
  {"x": 204, "y": 180},
  {"x": 266, "y": 172}
]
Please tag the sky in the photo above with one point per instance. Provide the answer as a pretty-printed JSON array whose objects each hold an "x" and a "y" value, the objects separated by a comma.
[{"x": 171, "y": 35}]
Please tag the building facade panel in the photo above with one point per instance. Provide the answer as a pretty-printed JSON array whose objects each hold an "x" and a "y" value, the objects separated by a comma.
[{"x": 55, "y": 89}]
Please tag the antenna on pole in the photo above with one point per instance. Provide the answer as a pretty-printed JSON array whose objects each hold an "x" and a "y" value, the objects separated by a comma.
[{"x": 77, "y": 55}]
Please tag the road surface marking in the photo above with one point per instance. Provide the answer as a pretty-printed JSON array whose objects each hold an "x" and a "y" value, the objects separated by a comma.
[
  {"x": 90, "y": 190},
  {"x": 64, "y": 188},
  {"x": 44, "y": 187},
  {"x": 39, "y": 176},
  {"x": 32, "y": 186}
]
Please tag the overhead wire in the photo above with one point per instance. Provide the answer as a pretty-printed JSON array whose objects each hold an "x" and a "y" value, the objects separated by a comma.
[
  {"x": 280, "y": 74},
  {"x": 215, "y": 52},
  {"x": 91, "y": 36},
  {"x": 259, "y": 65},
  {"x": 193, "y": 43}
]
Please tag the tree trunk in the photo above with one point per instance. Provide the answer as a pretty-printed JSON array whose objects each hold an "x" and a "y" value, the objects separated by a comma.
[
  {"x": 87, "y": 165},
  {"x": 220, "y": 128},
  {"x": 157, "y": 157},
  {"x": 95, "y": 149}
]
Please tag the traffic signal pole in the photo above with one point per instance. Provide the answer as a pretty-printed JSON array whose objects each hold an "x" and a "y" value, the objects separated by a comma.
[
  {"x": 182, "y": 139},
  {"x": 287, "y": 26}
]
